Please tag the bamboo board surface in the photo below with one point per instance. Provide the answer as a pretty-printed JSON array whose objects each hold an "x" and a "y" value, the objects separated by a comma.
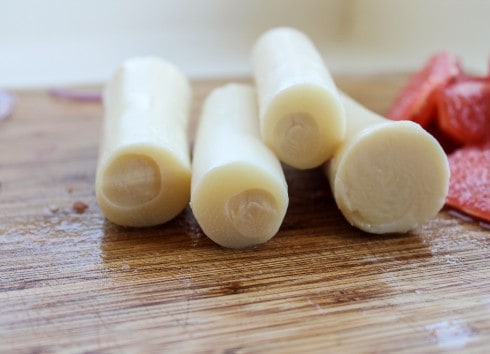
[{"x": 73, "y": 282}]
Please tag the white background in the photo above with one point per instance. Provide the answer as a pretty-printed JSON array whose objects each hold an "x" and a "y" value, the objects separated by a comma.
[{"x": 52, "y": 42}]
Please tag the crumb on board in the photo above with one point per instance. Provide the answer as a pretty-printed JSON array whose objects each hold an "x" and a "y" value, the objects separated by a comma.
[
  {"x": 79, "y": 207},
  {"x": 53, "y": 209}
]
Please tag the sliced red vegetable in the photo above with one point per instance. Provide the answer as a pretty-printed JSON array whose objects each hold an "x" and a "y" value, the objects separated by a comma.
[
  {"x": 469, "y": 187},
  {"x": 7, "y": 104},
  {"x": 76, "y": 95},
  {"x": 464, "y": 110},
  {"x": 417, "y": 100},
  {"x": 447, "y": 143}
]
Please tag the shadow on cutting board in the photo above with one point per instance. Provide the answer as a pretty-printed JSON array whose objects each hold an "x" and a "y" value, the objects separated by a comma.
[{"x": 314, "y": 245}]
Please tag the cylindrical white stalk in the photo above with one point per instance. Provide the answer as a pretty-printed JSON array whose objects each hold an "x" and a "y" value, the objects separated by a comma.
[
  {"x": 143, "y": 173},
  {"x": 301, "y": 116},
  {"x": 239, "y": 194},
  {"x": 387, "y": 176}
]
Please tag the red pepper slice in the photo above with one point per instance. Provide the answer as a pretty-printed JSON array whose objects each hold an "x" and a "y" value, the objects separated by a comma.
[
  {"x": 469, "y": 187},
  {"x": 417, "y": 100},
  {"x": 464, "y": 110}
]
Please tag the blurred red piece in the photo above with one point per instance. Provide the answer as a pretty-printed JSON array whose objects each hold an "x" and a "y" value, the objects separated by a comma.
[{"x": 417, "y": 100}]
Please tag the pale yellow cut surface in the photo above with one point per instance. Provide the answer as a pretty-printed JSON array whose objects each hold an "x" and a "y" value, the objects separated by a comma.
[
  {"x": 301, "y": 117},
  {"x": 143, "y": 174},
  {"x": 387, "y": 176},
  {"x": 239, "y": 193}
]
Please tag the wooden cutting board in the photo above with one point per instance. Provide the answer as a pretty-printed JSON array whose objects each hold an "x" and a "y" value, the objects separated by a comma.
[{"x": 73, "y": 282}]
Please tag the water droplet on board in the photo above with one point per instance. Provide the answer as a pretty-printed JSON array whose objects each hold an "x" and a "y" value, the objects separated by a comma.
[{"x": 451, "y": 334}]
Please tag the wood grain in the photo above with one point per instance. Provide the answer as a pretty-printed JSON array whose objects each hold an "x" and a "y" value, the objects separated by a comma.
[{"x": 73, "y": 282}]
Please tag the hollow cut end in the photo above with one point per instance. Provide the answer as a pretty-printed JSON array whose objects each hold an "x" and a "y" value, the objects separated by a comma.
[
  {"x": 296, "y": 135},
  {"x": 304, "y": 125},
  {"x": 239, "y": 205},
  {"x": 253, "y": 213},
  {"x": 131, "y": 180},
  {"x": 393, "y": 178}
]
